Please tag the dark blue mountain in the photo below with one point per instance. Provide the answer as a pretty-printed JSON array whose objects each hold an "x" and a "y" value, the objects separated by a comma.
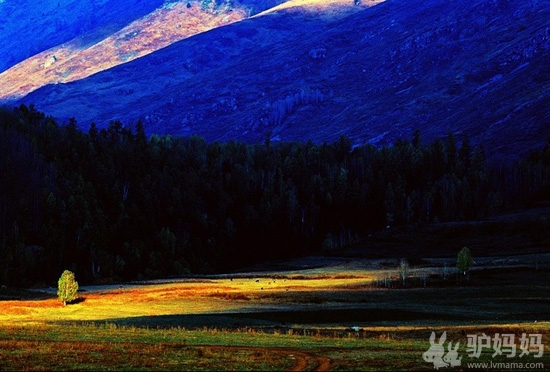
[{"x": 478, "y": 68}]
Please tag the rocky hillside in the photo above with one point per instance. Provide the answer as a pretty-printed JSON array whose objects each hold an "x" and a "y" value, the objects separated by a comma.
[{"x": 373, "y": 72}]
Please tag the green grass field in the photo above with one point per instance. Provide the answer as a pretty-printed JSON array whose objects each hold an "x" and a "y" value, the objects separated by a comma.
[{"x": 109, "y": 347}]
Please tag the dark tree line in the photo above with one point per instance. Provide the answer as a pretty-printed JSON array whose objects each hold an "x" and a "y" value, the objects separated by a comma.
[{"x": 114, "y": 204}]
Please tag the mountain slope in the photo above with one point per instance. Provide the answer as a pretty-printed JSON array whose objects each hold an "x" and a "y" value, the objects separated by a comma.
[
  {"x": 91, "y": 52},
  {"x": 375, "y": 74},
  {"x": 30, "y": 26}
]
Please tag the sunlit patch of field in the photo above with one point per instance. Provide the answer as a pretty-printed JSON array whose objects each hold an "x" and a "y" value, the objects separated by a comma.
[
  {"x": 184, "y": 297},
  {"x": 336, "y": 293},
  {"x": 329, "y": 318}
]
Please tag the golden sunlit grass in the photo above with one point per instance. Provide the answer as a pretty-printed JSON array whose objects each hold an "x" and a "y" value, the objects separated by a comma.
[
  {"x": 193, "y": 297},
  {"x": 137, "y": 326}
]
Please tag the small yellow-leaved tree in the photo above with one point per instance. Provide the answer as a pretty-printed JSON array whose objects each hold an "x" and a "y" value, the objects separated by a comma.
[{"x": 67, "y": 287}]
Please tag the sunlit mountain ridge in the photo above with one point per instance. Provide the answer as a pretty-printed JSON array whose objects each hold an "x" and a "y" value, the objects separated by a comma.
[
  {"x": 77, "y": 58},
  {"x": 372, "y": 71},
  {"x": 29, "y": 26},
  {"x": 107, "y": 45}
]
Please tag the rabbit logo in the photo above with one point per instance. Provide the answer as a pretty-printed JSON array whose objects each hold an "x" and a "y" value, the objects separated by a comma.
[
  {"x": 452, "y": 356},
  {"x": 436, "y": 353}
]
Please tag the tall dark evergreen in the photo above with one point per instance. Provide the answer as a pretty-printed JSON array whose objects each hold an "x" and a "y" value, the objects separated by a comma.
[{"x": 113, "y": 204}]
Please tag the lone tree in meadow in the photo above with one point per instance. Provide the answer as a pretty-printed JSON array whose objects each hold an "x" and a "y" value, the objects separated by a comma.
[
  {"x": 67, "y": 287},
  {"x": 464, "y": 260},
  {"x": 403, "y": 269}
]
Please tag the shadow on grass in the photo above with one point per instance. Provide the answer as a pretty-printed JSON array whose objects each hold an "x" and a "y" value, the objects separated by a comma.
[
  {"x": 19, "y": 294},
  {"x": 279, "y": 319},
  {"x": 78, "y": 300}
]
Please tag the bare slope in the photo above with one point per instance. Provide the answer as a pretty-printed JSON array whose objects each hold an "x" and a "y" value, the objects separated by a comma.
[
  {"x": 91, "y": 52},
  {"x": 32, "y": 26},
  {"x": 309, "y": 72}
]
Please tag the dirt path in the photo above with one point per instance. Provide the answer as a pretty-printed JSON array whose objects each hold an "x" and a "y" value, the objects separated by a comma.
[{"x": 304, "y": 360}]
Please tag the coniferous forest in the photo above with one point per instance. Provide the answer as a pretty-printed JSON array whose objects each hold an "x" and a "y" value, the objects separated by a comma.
[{"x": 113, "y": 204}]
